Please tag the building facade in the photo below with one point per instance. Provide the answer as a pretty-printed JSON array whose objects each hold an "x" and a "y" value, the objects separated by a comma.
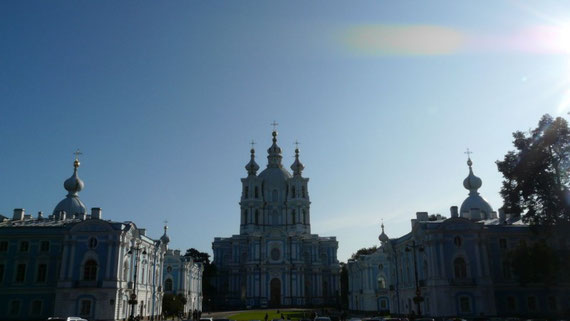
[
  {"x": 459, "y": 266},
  {"x": 74, "y": 263},
  {"x": 182, "y": 275},
  {"x": 275, "y": 260}
]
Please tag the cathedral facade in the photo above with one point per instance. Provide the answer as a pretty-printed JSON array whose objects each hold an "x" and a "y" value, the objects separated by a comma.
[{"x": 275, "y": 260}]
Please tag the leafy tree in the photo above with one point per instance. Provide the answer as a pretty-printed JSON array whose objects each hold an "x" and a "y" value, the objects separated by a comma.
[
  {"x": 198, "y": 256},
  {"x": 537, "y": 174},
  {"x": 343, "y": 285},
  {"x": 173, "y": 304},
  {"x": 537, "y": 263},
  {"x": 363, "y": 251}
]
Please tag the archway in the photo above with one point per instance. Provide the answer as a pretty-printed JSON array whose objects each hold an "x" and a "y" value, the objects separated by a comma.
[{"x": 275, "y": 292}]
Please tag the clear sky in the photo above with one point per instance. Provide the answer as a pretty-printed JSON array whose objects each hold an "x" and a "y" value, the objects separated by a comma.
[{"x": 163, "y": 98}]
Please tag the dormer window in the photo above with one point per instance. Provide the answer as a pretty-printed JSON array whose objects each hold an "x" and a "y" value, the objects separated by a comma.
[
  {"x": 303, "y": 192},
  {"x": 246, "y": 192},
  {"x": 293, "y": 192}
]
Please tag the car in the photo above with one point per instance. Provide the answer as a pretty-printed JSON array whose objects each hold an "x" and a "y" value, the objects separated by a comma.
[
  {"x": 425, "y": 319},
  {"x": 206, "y": 319},
  {"x": 322, "y": 319},
  {"x": 65, "y": 319}
]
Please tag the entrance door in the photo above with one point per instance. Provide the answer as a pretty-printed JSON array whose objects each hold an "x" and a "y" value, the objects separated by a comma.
[{"x": 275, "y": 292}]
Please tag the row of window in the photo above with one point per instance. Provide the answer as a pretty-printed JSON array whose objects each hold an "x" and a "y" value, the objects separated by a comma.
[
  {"x": 531, "y": 304},
  {"x": 24, "y": 246},
  {"x": 20, "y": 275},
  {"x": 274, "y": 194},
  {"x": 275, "y": 217},
  {"x": 35, "y": 309}
]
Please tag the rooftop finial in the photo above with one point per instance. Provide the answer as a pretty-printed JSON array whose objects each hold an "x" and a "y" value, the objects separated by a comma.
[
  {"x": 382, "y": 225},
  {"x": 297, "y": 166},
  {"x": 164, "y": 238},
  {"x": 274, "y": 124},
  {"x": 76, "y": 163},
  {"x": 469, "y": 162},
  {"x": 252, "y": 146}
]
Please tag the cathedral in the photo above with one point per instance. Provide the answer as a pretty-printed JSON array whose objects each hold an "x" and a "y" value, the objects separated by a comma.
[{"x": 275, "y": 260}]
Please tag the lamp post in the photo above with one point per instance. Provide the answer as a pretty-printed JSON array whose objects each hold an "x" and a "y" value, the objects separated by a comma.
[
  {"x": 418, "y": 298},
  {"x": 134, "y": 252}
]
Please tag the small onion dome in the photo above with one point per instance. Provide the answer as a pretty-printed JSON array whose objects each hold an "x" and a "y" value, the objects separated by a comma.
[
  {"x": 74, "y": 184},
  {"x": 474, "y": 200},
  {"x": 274, "y": 153},
  {"x": 383, "y": 237},
  {"x": 297, "y": 166},
  {"x": 252, "y": 166},
  {"x": 71, "y": 204},
  {"x": 164, "y": 238},
  {"x": 472, "y": 182}
]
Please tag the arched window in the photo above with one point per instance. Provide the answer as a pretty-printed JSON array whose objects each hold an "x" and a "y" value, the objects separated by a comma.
[
  {"x": 256, "y": 216},
  {"x": 256, "y": 191},
  {"x": 293, "y": 192},
  {"x": 168, "y": 285},
  {"x": 304, "y": 217},
  {"x": 126, "y": 271},
  {"x": 274, "y": 195},
  {"x": 90, "y": 271},
  {"x": 303, "y": 192},
  {"x": 246, "y": 192},
  {"x": 293, "y": 216},
  {"x": 460, "y": 268},
  {"x": 381, "y": 282}
]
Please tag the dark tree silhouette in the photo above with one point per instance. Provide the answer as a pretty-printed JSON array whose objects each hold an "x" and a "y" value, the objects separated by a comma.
[
  {"x": 536, "y": 174},
  {"x": 537, "y": 263},
  {"x": 363, "y": 251},
  {"x": 343, "y": 285}
]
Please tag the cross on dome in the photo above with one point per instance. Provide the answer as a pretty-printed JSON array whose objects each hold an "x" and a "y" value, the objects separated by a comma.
[{"x": 274, "y": 124}]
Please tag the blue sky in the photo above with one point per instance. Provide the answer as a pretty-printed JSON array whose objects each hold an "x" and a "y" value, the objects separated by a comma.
[{"x": 164, "y": 97}]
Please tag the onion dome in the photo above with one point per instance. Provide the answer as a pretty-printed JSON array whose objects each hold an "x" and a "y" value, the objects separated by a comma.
[
  {"x": 71, "y": 204},
  {"x": 383, "y": 237},
  {"x": 274, "y": 153},
  {"x": 297, "y": 166},
  {"x": 252, "y": 166},
  {"x": 164, "y": 238},
  {"x": 474, "y": 200}
]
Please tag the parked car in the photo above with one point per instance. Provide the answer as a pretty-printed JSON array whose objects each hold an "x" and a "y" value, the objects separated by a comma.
[
  {"x": 322, "y": 319},
  {"x": 66, "y": 319},
  {"x": 206, "y": 319}
]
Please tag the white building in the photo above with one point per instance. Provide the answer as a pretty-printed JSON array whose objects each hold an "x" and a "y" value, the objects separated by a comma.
[{"x": 182, "y": 275}]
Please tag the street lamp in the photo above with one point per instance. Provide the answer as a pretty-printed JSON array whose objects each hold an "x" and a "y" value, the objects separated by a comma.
[
  {"x": 134, "y": 251},
  {"x": 418, "y": 298}
]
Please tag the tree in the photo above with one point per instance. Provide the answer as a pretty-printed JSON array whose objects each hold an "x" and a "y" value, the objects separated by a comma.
[
  {"x": 363, "y": 251},
  {"x": 343, "y": 285},
  {"x": 198, "y": 256},
  {"x": 208, "y": 290},
  {"x": 173, "y": 304},
  {"x": 537, "y": 174},
  {"x": 537, "y": 263}
]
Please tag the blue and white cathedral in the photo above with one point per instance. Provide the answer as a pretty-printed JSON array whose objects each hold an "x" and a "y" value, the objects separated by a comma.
[{"x": 275, "y": 260}]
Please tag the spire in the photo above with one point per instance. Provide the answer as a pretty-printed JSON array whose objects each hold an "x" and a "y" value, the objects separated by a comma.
[
  {"x": 72, "y": 204},
  {"x": 252, "y": 166},
  {"x": 297, "y": 166},
  {"x": 471, "y": 182},
  {"x": 274, "y": 152}
]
